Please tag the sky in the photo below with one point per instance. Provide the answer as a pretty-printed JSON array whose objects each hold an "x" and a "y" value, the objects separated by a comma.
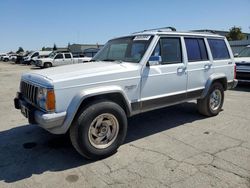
[{"x": 33, "y": 24}]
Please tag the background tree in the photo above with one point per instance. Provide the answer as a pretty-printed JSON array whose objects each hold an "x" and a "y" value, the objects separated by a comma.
[
  {"x": 55, "y": 47},
  {"x": 68, "y": 46},
  {"x": 20, "y": 49},
  {"x": 235, "y": 33},
  {"x": 43, "y": 49}
]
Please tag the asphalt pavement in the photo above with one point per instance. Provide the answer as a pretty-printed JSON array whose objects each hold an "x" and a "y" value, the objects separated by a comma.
[{"x": 171, "y": 147}]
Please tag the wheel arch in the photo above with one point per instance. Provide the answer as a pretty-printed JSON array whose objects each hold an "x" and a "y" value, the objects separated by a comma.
[
  {"x": 48, "y": 63},
  {"x": 217, "y": 77},
  {"x": 84, "y": 98}
]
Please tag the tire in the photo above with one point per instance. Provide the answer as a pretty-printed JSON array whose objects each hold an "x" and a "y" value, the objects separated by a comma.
[
  {"x": 47, "y": 65},
  {"x": 212, "y": 103},
  {"x": 32, "y": 62},
  {"x": 112, "y": 128}
]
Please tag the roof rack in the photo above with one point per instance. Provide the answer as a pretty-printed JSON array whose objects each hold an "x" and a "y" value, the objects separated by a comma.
[
  {"x": 204, "y": 31},
  {"x": 158, "y": 29}
]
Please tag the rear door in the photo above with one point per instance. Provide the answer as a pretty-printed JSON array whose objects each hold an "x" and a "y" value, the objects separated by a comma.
[
  {"x": 68, "y": 59},
  {"x": 199, "y": 66}
]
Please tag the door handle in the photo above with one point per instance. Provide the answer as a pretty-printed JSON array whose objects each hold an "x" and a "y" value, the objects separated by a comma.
[
  {"x": 207, "y": 66},
  {"x": 181, "y": 70}
]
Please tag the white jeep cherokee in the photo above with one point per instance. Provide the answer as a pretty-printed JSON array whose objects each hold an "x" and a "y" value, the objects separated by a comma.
[{"x": 129, "y": 75}]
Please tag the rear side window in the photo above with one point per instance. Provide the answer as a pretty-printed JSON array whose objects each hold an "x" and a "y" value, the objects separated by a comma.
[
  {"x": 196, "y": 49},
  {"x": 219, "y": 49},
  {"x": 67, "y": 56}
]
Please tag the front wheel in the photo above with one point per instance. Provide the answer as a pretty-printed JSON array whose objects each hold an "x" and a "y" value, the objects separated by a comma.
[
  {"x": 211, "y": 105},
  {"x": 47, "y": 65},
  {"x": 99, "y": 130}
]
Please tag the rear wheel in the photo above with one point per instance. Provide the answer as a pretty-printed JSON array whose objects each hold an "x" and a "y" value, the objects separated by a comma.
[
  {"x": 211, "y": 105},
  {"x": 99, "y": 130}
]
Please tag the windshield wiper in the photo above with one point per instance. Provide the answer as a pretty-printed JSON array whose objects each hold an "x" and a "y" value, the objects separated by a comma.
[
  {"x": 112, "y": 60},
  {"x": 108, "y": 60}
]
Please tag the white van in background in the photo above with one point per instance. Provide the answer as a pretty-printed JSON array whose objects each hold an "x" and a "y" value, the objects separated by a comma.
[{"x": 32, "y": 57}]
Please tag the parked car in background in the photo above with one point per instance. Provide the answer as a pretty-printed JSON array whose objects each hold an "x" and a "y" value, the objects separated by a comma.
[
  {"x": 58, "y": 59},
  {"x": 21, "y": 56},
  {"x": 242, "y": 61},
  {"x": 8, "y": 57},
  {"x": 32, "y": 57},
  {"x": 2, "y": 55}
]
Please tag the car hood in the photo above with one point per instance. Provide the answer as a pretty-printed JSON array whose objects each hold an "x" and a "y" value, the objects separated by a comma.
[{"x": 85, "y": 73}]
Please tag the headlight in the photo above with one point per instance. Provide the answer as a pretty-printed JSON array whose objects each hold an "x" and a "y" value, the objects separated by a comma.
[{"x": 46, "y": 99}]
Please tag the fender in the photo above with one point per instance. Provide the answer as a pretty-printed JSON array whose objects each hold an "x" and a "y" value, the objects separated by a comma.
[
  {"x": 211, "y": 79},
  {"x": 80, "y": 97}
]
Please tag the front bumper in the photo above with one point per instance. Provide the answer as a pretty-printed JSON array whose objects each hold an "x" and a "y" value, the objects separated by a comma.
[{"x": 48, "y": 121}]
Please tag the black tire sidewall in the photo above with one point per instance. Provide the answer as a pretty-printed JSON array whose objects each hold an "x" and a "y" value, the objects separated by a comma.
[
  {"x": 214, "y": 87},
  {"x": 47, "y": 65},
  {"x": 84, "y": 121}
]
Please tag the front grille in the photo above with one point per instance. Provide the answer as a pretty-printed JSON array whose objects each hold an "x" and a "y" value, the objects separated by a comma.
[{"x": 29, "y": 92}]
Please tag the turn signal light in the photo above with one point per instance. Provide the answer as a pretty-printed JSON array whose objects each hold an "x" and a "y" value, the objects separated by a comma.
[{"x": 51, "y": 101}]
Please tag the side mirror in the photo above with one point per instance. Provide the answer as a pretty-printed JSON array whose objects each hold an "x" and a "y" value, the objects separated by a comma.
[
  {"x": 236, "y": 55},
  {"x": 154, "y": 60}
]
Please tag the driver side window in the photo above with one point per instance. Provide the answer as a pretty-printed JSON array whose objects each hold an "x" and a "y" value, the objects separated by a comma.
[{"x": 169, "y": 49}]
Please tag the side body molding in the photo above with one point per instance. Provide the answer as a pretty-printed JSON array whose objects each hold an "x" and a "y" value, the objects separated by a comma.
[
  {"x": 80, "y": 97},
  {"x": 210, "y": 80}
]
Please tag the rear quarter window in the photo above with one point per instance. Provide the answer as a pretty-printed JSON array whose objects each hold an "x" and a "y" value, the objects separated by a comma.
[{"x": 219, "y": 49}]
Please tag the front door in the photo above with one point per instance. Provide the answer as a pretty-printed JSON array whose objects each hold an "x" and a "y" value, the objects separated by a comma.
[
  {"x": 58, "y": 60},
  {"x": 68, "y": 59},
  {"x": 165, "y": 83}
]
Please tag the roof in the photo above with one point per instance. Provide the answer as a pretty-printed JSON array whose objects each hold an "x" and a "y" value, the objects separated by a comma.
[
  {"x": 172, "y": 31},
  {"x": 215, "y": 31}
]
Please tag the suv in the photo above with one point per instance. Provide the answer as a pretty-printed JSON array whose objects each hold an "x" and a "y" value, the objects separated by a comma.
[
  {"x": 133, "y": 74},
  {"x": 242, "y": 61}
]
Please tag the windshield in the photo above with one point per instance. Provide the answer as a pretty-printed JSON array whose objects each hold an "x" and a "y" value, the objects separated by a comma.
[
  {"x": 52, "y": 55},
  {"x": 245, "y": 52},
  {"x": 128, "y": 49}
]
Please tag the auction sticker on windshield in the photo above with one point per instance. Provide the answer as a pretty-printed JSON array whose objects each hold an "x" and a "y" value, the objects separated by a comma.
[{"x": 142, "y": 37}]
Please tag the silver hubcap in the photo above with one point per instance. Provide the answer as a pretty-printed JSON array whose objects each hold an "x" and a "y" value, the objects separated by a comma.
[
  {"x": 103, "y": 131},
  {"x": 215, "y": 100}
]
